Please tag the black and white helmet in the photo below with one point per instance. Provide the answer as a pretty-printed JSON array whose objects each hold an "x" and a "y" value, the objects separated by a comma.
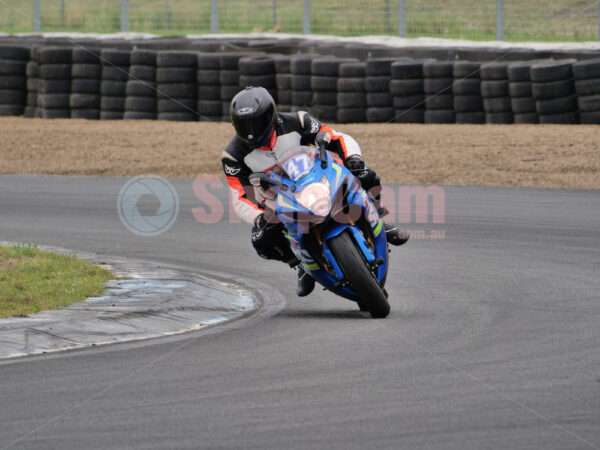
[{"x": 253, "y": 113}]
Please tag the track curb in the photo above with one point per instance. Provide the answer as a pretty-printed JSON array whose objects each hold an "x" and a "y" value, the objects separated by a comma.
[{"x": 145, "y": 300}]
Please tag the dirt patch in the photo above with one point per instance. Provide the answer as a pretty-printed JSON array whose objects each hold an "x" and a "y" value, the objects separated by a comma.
[{"x": 486, "y": 155}]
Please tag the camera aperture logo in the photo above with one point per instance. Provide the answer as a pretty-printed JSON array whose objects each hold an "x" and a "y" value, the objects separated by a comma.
[{"x": 148, "y": 205}]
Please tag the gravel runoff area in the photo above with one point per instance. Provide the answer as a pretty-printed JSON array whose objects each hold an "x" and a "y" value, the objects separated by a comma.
[{"x": 484, "y": 155}]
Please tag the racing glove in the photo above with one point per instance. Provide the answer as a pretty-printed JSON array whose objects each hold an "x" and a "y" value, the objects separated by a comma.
[
  {"x": 369, "y": 180},
  {"x": 356, "y": 165}
]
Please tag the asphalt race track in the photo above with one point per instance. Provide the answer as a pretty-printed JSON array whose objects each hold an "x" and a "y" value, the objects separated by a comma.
[{"x": 493, "y": 340}]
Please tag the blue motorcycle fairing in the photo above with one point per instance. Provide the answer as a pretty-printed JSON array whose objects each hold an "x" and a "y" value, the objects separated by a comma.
[
  {"x": 356, "y": 234},
  {"x": 296, "y": 220}
]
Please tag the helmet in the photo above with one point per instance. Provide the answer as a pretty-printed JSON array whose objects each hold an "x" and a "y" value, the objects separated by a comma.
[{"x": 253, "y": 114}]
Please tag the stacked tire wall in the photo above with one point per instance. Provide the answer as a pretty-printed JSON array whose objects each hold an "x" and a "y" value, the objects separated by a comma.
[
  {"x": 208, "y": 79},
  {"x": 495, "y": 93},
  {"x": 229, "y": 78},
  {"x": 351, "y": 95},
  {"x": 587, "y": 88},
  {"x": 176, "y": 74},
  {"x": 468, "y": 102},
  {"x": 283, "y": 80},
  {"x": 13, "y": 80},
  {"x": 521, "y": 93},
  {"x": 438, "y": 87},
  {"x": 407, "y": 88},
  {"x": 554, "y": 92},
  {"x": 86, "y": 74},
  {"x": 113, "y": 89},
  {"x": 33, "y": 85},
  {"x": 150, "y": 79},
  {"x": 140, "y": 91},
  {"x": 380, "y": 101},
  {"x": 300, "y": 68},
  {"x": 257, "y": 70},
  {"x": 55, "y": 82},
  {"x": 323, "y": 82}
]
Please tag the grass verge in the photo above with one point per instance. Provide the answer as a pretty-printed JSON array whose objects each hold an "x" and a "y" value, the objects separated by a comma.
[
  {"x": 32, "y": 280},
  {"x": 524, "y": 20}
]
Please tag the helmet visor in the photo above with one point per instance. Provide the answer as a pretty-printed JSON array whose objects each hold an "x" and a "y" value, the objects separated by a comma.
[{"x": 254, "y": 129}]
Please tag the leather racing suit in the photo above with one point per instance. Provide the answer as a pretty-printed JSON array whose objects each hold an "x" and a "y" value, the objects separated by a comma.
[{"x": 240, "y": 160}]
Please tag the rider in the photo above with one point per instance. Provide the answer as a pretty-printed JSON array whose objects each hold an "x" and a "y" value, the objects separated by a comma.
[{"x": 259, "y": 130}]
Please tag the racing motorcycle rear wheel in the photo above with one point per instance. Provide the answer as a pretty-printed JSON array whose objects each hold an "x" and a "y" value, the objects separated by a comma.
[{"x": 363, "y": 282}]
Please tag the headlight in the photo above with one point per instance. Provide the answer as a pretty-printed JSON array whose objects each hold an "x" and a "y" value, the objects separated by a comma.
[{"x": 316, "y": 197}]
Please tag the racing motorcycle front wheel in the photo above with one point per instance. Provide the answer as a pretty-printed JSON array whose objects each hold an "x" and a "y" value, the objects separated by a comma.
[{"x": 357, "y": 273}]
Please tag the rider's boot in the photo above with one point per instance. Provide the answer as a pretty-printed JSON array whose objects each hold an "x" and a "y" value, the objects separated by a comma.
[
  {"x": 306, "y": 283},
  {"x": 394, "y": 235}
]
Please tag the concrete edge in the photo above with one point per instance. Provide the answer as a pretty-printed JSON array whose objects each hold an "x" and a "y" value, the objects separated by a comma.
[
  {"x": 145, "y": 300},
  {"x": 369, "y": 39}
]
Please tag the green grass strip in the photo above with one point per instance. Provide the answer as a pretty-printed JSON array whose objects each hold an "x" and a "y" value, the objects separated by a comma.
[
  {"x": 32, "y": 280},
  {"x": 524, "y": 20}
]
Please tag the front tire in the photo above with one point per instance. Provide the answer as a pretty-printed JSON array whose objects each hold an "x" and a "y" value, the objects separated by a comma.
[{"x": 354, "y": 267}]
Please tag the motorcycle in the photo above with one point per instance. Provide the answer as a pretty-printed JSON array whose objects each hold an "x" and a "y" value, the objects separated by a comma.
[{"x": 331, "y": 224}]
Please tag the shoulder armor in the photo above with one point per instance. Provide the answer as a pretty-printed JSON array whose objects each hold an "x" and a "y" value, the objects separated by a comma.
[
  {"x": 235, "y": 151},
  {"x": 301, "y": 116},
  {"x": 308, "y": 123}
]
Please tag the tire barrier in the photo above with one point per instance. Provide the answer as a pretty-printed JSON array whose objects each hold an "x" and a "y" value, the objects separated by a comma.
[
  {"x": 283, "y": 80},
  {"x": 380, "y": 101},
  {"x": 113, "y": 87},
  {"x": 351, "y": 97},
  {"x": 86, "y": 79},
  {"x": 468, "y": 102},
  {"x": 407, "y": 88},
  {"x": 33, "y": 83},
  {"x": 300, "y": 68},
  {"x": 495, "y": 93},
  {"x": 587, "y": 88},
  {"x": 54, "y": 93},
  {"x": 323, "y": 83},
  {"x": 438, "y": 86},
  {"x": 13, "y": 80},
  {"x": 176, "y": 74},
  {"x": 255, "y": 70},
  {"x": 554, "y": 92},
  {"x": 180, "y": 79},
  {"x": 229, "y": 78},
  {"x": 140, "y": 91},
  {"x": 521, "y": 93},
  {"x": 208, "y": 80}
]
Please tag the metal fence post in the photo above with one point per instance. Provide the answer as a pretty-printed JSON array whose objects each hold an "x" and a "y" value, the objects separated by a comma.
[
  {"x": 275, "y": 14},
  {"x": 37, "y": 16},
  {"x": 306, "y": 18},
  {"x": 499, "y": 20},
  {"x": 214, "y": 16},
  {"x": 386, "y": 18},
  {"x": 402, "y": 18},
  {"x": 62, "y": 14},
  {"x": 124, "y": 15},
  {"x": 167, "y": 15}
]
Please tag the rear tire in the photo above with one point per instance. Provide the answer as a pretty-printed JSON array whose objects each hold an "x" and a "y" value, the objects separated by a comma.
[{"x": 372, "y": 296}]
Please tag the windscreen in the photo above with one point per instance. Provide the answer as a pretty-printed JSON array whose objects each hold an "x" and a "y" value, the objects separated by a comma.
[{"x": 297, "y": 162}]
